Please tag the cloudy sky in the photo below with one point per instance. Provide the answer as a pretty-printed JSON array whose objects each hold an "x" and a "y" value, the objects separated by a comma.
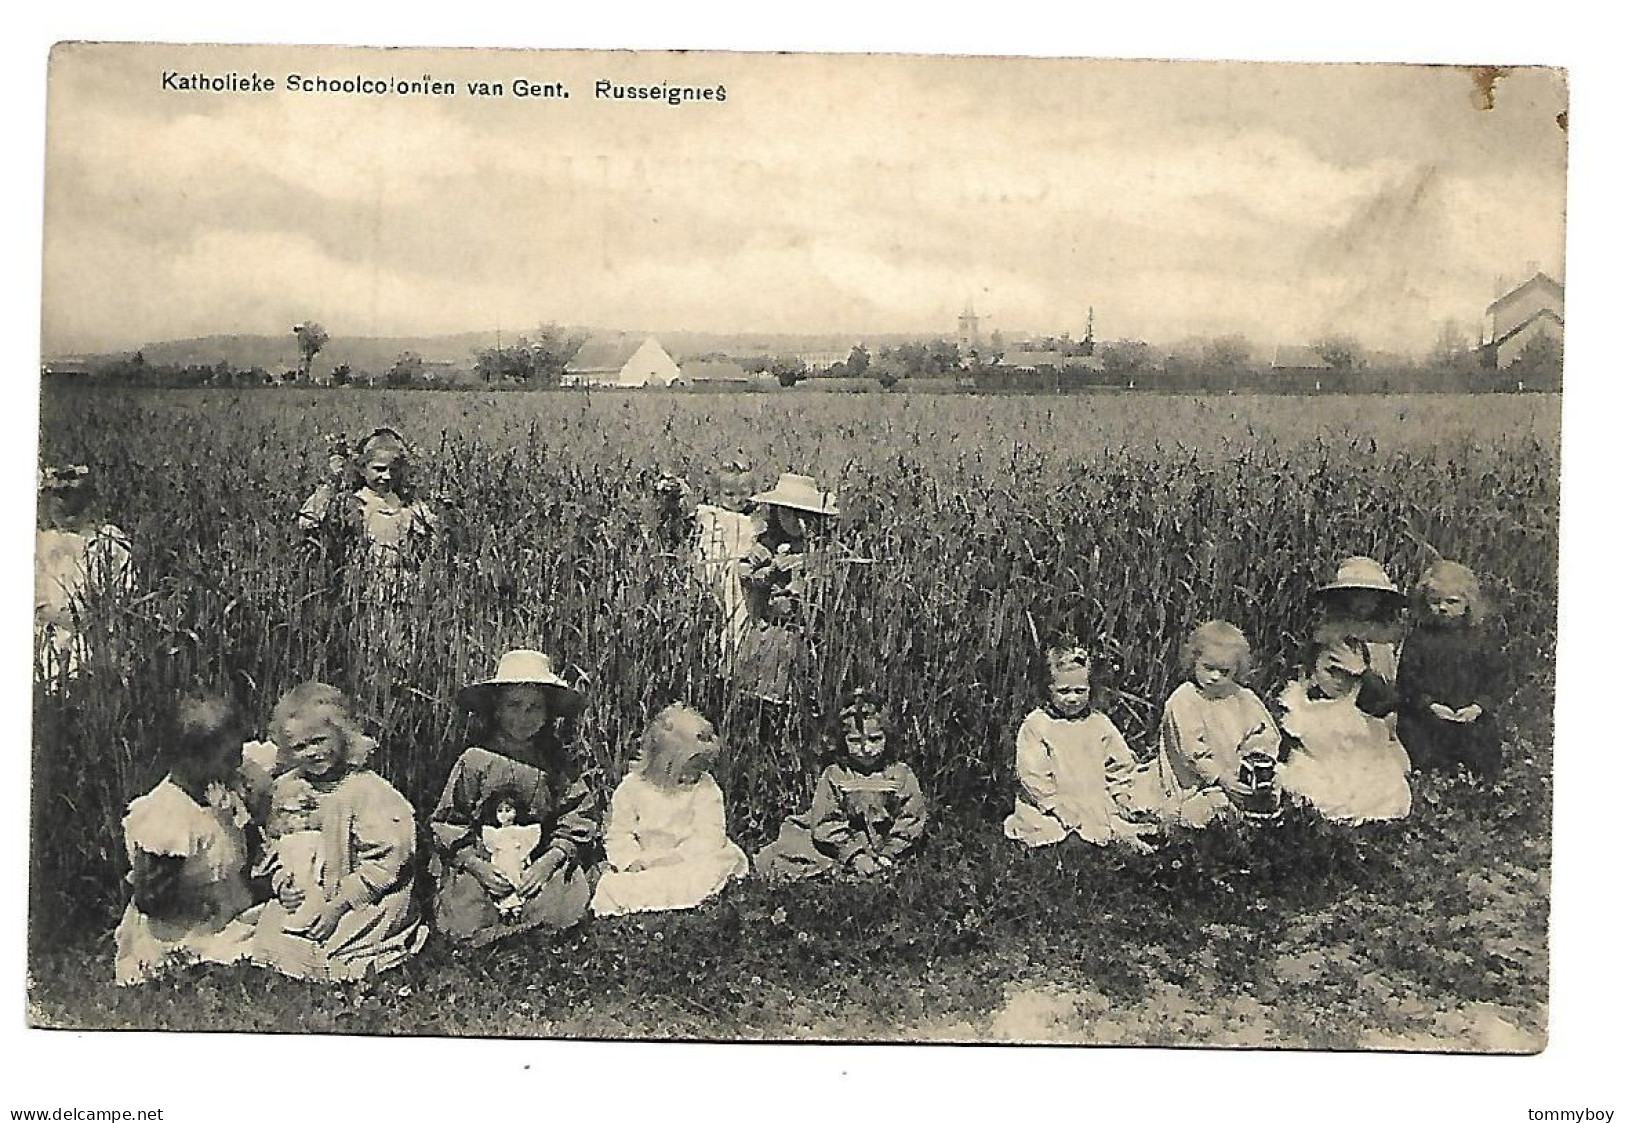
[{"x": 839, "y": 193}]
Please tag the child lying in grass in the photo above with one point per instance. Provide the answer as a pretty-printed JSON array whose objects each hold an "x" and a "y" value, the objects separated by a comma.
[{"x": 867, "y": 812}]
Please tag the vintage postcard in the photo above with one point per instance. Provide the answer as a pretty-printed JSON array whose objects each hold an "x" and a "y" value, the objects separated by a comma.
[{"x": 717, "y": 546}]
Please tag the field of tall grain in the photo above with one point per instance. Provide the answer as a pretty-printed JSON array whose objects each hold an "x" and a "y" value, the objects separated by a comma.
[{"x": 1125, "y": 520}]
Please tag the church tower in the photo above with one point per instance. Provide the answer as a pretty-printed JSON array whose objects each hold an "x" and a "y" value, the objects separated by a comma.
[{"x": 970, "y": 337}]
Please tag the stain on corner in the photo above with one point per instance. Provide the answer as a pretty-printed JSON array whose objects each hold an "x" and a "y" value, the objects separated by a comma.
[{"x": 1484, "y": 79}]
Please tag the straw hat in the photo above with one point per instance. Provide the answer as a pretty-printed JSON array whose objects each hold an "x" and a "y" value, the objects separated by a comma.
[
  {"x": 521, "y": 667},
  {"x": 799, "y": 493},
  {"x": 1362, "y": 573}
]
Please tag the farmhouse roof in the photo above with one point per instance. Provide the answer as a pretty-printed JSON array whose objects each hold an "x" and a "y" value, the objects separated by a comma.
[
  {"x": 1032, "y": 360},
  {"x": 1538, "y": 314},
  {"x": 1293, "y": 357},
  {"x": 1539, "y": 279},
  {"x": 715, "y": 370},
  {"x": 602, "y": 353}
]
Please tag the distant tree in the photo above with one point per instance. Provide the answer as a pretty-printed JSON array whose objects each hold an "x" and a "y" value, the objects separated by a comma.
[
  {"x": 857, "y": 363},
  {"x": 1540, "y": 366},
  {"x": 1227, "y": 353},
  {"x": 1125, "y": 358},
  {"x": 408, "y": 369},
  {"x": 312, "y": 338},
  {"x": 788, "y": 370},
  {"x": 1341, "y": 352},
  {"x": 755, "y": 364},
  {"x": 888, "y": 378},
  {"x": 342, "y": 375}
]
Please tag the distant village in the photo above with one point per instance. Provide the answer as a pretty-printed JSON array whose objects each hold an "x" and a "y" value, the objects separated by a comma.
[{"x": 1519, "y": 347}]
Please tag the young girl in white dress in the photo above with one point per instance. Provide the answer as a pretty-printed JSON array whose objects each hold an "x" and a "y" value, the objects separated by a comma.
[
  {"x": 77, "y": 558},
  {"x": 667, "y": 836},
  {"x": 1076, "y": 775},
  {"x": 1346, "y": 763}
]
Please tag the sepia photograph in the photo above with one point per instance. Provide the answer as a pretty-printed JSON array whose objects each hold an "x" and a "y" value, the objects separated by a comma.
[{"x": 719, "y": 546}]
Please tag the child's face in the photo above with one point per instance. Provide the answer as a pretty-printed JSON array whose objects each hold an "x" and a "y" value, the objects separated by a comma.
[
  {"x": 521, "y": 711},
  {"x": 216, "y": 763},
  {"x": 316, "y": 745},
  {"x": 733, "y": 489},
  {"x": 1215, "y": 673},
  {"x": 865, "y": 743},
  {"x": 1362, "y": 604},
  {"x": 1446, "y": 605},
  {"x": 380, "y": 469},
  {"x": 790, "y": 522},
  {"x": 1332, "y": 679},
  {"x": 695, "y": 739},
  {"x": 507, "y": 813},
  {"x": 1069, "y": 691}
]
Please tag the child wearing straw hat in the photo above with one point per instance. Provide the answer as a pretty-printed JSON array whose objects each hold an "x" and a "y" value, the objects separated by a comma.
[
  {"x": 1362, "y": 602},
  {"x": 522, "y": 712},
  {"x": 781, "y": 576}
]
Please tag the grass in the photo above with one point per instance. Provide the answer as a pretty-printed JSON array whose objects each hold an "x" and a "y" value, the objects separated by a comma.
[{"x": 1121, "y": 521}]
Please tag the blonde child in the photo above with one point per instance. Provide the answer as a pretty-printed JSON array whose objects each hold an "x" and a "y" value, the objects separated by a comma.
[
  {"x": 726, "y": 535},
  {"x": 667, "y": 837},
  {"x": 379, "y": 504},
  {"x": 523, "y": 720},
  {"x": 188, "y": 854},
  {"x": 1076, "y": 774},
  {"x": 76, "y": 557},
  {"x": 868, "y": 811},
  {"x": 1209, "y": 723},
  {"x": 367, "y": 918},
  {"x": 781, "y": 576},
  {"x": 1344, "y": 762},
  {"x": 1452, "y": 676}
]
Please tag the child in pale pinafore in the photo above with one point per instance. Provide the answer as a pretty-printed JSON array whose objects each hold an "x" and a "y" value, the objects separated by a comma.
[
  {"x": 726, "y": 534},
  {"x": 77, "y": 557},
  {"x": 868, "y": 811},
  {"x": 1209, "y": 723},
  {"x": 667, "y": 835},
  {"x": 379, "y": 504},
  {"x": 190, "y": 898},
  {"x": 1076, "y": 774}
]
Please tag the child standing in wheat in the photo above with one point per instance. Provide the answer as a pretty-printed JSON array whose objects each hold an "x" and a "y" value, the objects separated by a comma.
[
  {"x": 370, "y": 496},
  {"x": 78, "y": 558}
]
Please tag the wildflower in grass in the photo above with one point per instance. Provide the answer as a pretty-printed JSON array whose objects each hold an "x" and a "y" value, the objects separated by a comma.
[
  {"x": 1075, "y": 771},
  {"x": 524, "y": 712},
  {"x": 368, "y": 920},
  {"x": 666, "y": 838},
  {"x": 188, "y": 852},
  {"x": 1209, "y": 724},
  {"x": 868, "y": 811},
  {"x": 1346, "y": 763},
  {"x": 1452, "y": 676},
  {"x": 78, "y": 558}
]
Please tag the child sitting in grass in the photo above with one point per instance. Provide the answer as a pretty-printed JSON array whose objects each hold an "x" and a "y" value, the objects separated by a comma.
[
  {"x": 188, "y": 855},
  {"x": 1451, "y": 676},
  {"x": 867, "y": 812},
  {"x": 667, "y": 835},
  {"x": 1209, "y": 723},
  {"x": 1076, "y": 774},
  {"x": 1344, "y": 762}
]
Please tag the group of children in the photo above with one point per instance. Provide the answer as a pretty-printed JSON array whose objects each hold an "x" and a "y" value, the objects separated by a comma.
[{"x": 294, "y": 853}]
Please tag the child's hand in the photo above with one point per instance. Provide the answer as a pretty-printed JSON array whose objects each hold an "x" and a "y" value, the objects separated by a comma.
[
  {"x": 864, "y": 865},
  {"x": 336, "y": 465},
  {"x": 289, "y": 895},
  {"x": 1442, "y": 711},
  {"x": 538, "y": 873},
  {"x": 491, "y": 879},
  {"x": 321, "y": 929},
  {"x": 1469, "y": 714}
]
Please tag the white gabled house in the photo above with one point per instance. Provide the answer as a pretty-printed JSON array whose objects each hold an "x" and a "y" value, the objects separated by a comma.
[{"x": 620, "y": 362}]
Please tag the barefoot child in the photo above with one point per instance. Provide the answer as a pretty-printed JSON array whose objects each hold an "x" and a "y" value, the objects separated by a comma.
[
  {"x": 1344, "y": 762},
  {"x": 1209, "y": 724},
  {"x": 188, "y": 855},
  {"x": 867, "y": 812},
  {"x": 667, "y": 835},
  {"x": 1451, "y": 676},
  {"x": 1075, "y": 771}
]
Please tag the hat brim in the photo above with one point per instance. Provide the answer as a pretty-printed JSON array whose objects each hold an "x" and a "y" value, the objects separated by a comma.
[
  {"x": 1362, "y": 586},
  {"x": 794, "y": 502},
  {"x": 477, "y": 696}
]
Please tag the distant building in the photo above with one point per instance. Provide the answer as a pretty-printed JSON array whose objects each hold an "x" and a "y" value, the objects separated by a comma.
[
  {"x": 620, "y": 362},
  {"x": 970, "y": 335},
  {"x": 1533, "y": 310},
  {"x": 1290, "y": 357},
  {"x": 722, "y": 374}
]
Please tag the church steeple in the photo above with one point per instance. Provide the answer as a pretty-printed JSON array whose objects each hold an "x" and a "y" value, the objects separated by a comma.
[{"x": 970, "y": 337}]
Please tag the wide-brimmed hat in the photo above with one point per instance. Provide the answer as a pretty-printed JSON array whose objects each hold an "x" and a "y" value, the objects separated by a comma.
[
  {"x": 521, "y": 667},
  {"x": 1362, "y": 573},
  {"x": 799, "y": 493}
]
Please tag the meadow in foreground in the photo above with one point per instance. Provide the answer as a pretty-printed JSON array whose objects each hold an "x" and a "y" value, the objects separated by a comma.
[{"x": 988, "y": 521}]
